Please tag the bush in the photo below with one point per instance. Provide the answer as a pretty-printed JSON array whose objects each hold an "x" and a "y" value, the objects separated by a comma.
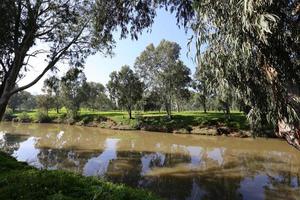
[
  {"x": 8, "y": 115},
  {"x": 24, "y": 118},
  {"x": 87, "y": 119},
  {"x": 100, "y": 118},
  {"x": 138, "y": 122},
  {"x": 62, "y": 117},
  {"x": 42, "y": 117}
]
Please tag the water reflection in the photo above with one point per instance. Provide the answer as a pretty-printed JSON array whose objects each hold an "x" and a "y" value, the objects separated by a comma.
[
  {"x": 173, "y": 166},
  {"x": 97, "y": 166}
]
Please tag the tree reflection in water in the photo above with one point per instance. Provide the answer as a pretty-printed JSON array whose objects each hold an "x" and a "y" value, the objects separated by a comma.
[{"x": 172, "y": 170}]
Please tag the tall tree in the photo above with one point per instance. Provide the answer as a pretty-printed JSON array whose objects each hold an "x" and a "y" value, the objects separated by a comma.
[
  {"x": 161, "y": 69},
  {"x": 95, "y": 94},
  {"x": 52, "y": 88},
  {"x": 126, "y": 88},
  {"x": 44, "y": 102},
  {"x": 18, "y": 100},
  {"x": 72, "y": 90}
]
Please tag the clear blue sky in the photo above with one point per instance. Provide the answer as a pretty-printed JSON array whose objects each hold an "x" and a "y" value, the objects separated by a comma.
[{"x": 98, "y": 67}]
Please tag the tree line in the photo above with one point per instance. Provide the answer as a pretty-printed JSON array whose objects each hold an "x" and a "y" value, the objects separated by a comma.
[{"x": 159, "y": 81}]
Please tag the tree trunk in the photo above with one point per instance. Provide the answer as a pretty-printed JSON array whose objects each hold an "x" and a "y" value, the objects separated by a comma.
[
  {"x": 129, "y": 113},
  {"x": 3, "y": 105},
  {"x": 289, "y": 133},
  {"x": 168, "y": 109},
  {"x": 4, "y": 98},
  {"x": 204, "y": 106}
]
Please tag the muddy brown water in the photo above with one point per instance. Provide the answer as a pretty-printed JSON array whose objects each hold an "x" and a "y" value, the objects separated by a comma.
[{"x": 183, "y": 167}]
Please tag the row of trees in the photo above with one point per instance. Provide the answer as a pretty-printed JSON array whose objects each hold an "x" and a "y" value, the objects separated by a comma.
[
  {"x": 72, "y": 91},
  {"x": 160, "y": 78},
  {"x": 160, "y": 81}
]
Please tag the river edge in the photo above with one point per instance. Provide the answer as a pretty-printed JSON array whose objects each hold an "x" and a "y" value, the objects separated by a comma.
[
  {"x": 106, "y": 123},
  {"x": 21, "y": 181}
]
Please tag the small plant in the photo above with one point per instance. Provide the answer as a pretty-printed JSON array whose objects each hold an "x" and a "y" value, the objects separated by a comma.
[
  {"x": 24, "y": 118},
  {"x": 42, "y": 117}
]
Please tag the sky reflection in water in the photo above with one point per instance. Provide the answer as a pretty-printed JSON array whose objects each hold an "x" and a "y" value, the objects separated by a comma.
[{"x": 173, "y": 166}]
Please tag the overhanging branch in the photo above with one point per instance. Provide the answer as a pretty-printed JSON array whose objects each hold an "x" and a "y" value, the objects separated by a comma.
[{"x": 51, "y": 64}]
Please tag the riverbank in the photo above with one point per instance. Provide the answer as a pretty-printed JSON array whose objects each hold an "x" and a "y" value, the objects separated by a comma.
[
  {"x": 20, "y": 181},
  {"x": 211, "y": 123}
]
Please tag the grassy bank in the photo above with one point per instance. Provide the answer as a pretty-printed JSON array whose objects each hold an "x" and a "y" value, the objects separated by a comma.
[
  {"x": 19, "y": 181},
  {"x": 181, "y": 122}
]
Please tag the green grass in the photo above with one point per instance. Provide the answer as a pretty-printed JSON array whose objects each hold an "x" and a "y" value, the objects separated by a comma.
[
  {"x": 156, "y": 121},
  {"x": 19, "y": 181}
]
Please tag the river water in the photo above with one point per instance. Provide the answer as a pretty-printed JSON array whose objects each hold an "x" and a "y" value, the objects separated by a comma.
[{"x": 183, "y": 167}]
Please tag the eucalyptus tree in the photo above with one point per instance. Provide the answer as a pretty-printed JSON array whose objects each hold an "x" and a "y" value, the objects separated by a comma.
[
  {"x": 162, "y": 70},
  {"x": 52, "y": 88},
  {"x": 253, "y": 48},
  {"x": 95, "y": 96},
  {"x": 67, "y": 30},
  {"x": 44, "y": 102},
  {"x": 204, "y": 85},
  {"x": 73, "y": 91},
  {"x": 21, "y": 100},
  {"x": 126, "y": 88}
]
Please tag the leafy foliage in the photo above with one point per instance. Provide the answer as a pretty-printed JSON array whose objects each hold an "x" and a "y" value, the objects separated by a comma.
[
  {"x": 162, "y": 71},
  {"x": 72, "y": 90},
  {"x": 96, "y": 99},
  {"x": 252, "y": 47},
  {"x": 126, "y": 88}
]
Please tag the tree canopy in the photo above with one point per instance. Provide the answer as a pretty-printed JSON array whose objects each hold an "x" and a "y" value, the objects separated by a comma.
[
  {"x": 126, "y": 88},
  {"x": 253, "y": 47},
  {"x": 162, "y": 70}
]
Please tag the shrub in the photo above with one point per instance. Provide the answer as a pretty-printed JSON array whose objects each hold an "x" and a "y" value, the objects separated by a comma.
[
  {"x": 42, "y": 117},
  {"x": 24, "y": 118},
  {"x": 100, "y": 118},
  {"x": 138, "y": 122},
  {"x": 87, "y": 119},
  {"x": 62, "y": 116}
]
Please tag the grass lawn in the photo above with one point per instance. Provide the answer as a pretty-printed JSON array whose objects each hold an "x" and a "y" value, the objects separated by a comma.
[
  {"x": 19, "y": 181},
  {"x": 158, "y": 120}
]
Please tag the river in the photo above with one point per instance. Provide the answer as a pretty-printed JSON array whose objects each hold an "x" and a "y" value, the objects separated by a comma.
[{"x": 177, "y": 167}]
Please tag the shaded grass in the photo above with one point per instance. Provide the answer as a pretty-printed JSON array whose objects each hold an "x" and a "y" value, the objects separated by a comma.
[
  {"x": 186, "y": 119},
  {"x": 19, "y": 181}
]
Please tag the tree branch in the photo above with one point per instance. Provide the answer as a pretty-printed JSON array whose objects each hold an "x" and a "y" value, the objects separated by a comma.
[{"x": 52, "y": 63}]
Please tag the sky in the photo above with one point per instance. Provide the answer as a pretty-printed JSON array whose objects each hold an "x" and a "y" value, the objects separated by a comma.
[{"x": 98, "y": 67}]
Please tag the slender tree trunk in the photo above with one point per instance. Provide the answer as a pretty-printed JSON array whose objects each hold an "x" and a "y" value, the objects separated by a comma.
[
  {"x": 204, "y": 105},
  {"x": 168, "y": 108},
  {"x": 177, "y": 106},
  {"x": 129, "y": 113}
]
